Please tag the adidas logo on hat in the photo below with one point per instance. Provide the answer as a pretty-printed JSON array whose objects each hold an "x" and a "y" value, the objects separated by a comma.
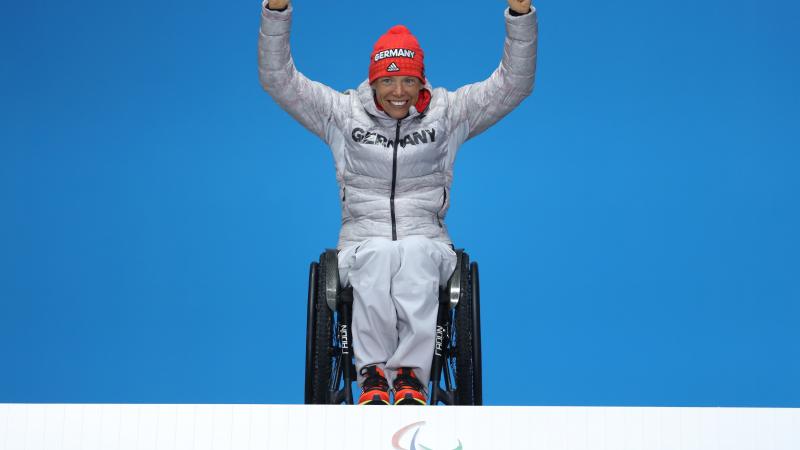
[{"x": 392, "y": 68}]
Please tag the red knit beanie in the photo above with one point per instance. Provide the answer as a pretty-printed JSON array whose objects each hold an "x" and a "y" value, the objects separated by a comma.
[{"x": 397, "y": 53}]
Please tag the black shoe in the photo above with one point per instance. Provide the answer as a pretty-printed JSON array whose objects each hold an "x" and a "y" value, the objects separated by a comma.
[
  {"x": 375, "y": 389},
  {"x": 408, "y": 390}
]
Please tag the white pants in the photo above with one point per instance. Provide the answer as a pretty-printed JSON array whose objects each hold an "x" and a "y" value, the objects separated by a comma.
[{"x": 395, "y": 301}]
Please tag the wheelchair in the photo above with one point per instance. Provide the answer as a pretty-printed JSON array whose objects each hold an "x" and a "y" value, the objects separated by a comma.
[{"x": 456, "y": 366}]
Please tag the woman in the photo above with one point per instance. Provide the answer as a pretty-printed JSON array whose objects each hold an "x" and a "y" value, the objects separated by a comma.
[{"x": 394, "y": 140}]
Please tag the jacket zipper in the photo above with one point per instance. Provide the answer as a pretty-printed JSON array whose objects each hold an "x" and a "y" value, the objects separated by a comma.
[
  {"x": 444, "y": 201},
  {"x": 394, "y": 179}
]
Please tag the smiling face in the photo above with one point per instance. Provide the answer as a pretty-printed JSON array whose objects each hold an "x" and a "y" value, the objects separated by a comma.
[{"x": 397, "y": 94}]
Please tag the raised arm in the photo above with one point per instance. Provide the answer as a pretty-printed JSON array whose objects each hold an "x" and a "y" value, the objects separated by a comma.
[
  {"x": 313, "y": 104},
  {"x": 480, "y": 105}
]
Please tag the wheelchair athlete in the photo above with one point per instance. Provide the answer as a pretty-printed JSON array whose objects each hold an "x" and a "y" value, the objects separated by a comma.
[{"x": 394, "y": 140}]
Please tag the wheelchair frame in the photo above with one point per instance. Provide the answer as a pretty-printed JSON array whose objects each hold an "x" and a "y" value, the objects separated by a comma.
[{"x": 456, "y": 366}]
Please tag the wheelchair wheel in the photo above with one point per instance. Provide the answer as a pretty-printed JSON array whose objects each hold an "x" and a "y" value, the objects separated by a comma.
[
  {"x": 318, "y": 339},
  {"x": 477, "y": 358},
  {"x": 310, "y": 331},
  {"x": 467, "y": 339}
]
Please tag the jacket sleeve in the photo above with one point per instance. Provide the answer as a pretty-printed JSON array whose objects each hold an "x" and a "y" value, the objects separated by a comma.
[
  {"x": 480, "y": 105},
  {"x": 313, "y": 104}
]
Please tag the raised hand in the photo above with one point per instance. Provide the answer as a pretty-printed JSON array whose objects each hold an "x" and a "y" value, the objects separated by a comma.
[
  {"x": 518, "y": 6},
  {"x": 282, "y": 4}
]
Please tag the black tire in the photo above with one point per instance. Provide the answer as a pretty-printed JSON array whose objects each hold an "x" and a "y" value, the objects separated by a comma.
[
  {"x": 311, "y": 330},
  {"x": 321, "y": 354},
  {"x": 477, "y": 358},
  {"x": 464, "y": 340}
]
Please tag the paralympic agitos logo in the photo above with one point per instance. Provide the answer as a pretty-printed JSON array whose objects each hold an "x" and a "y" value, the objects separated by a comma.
[{"x": 414, "y": 445}]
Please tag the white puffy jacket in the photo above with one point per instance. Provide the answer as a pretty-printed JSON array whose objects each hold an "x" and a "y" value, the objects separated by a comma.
[{"x": 395, "y": 175}]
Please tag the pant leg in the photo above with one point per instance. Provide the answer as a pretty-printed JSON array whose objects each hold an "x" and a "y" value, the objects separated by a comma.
[
  {"x": 425, "y": 265},
  {"x": 368, "y": 268}
]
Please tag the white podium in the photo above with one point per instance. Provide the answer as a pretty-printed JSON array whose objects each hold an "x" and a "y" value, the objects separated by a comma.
[{"x": 296, "y": 427}]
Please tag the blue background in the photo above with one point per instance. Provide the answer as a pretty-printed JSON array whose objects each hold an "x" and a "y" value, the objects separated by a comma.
[{"x": 636, "y": 220}]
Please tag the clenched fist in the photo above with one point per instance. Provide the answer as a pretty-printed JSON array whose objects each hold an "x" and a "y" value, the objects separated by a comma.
[
  {"x": 518, "y": 6},
  {"x": 282, "y": 4}
]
